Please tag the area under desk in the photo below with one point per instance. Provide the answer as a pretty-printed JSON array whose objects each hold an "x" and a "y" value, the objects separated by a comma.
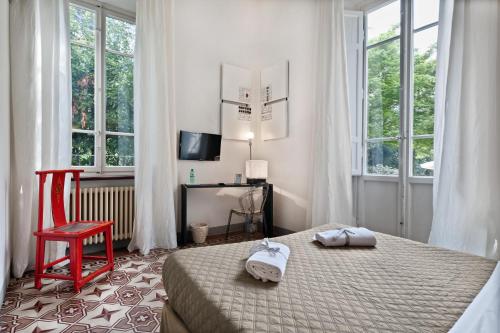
[{"x": 268, "y": 207}]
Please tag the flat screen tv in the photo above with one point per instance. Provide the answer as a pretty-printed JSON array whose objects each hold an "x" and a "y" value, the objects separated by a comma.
[{"x": 199, "y": 146}]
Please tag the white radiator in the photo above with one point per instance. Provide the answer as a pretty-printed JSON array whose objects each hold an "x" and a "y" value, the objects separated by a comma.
[{"x": 107, "y": 204}]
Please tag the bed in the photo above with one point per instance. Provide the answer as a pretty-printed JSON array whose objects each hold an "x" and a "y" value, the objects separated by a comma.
[{"x": 400, "y": 285}]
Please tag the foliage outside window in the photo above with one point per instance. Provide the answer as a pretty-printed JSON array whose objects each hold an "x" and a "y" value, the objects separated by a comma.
[
  {"x": 103, "y": 126},
  {"x": 384, "y": 57}
]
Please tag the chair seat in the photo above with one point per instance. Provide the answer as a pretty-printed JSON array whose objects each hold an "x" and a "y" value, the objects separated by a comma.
[
  {"x": 243, "y": 212},
  {"x": 75, "y": 228}
]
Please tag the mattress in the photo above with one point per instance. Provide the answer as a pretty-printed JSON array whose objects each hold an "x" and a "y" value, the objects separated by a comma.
[{"x": 400, "y": 285}]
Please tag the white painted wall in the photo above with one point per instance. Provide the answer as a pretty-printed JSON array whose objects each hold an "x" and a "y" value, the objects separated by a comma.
[
  {"x": 288, "y": 32},
  {"x": 207, "y": 34},
  {"x": 251, "y": 34},
  {"x": 256, "y": 34},
  {"x": 4, "y": 146}
]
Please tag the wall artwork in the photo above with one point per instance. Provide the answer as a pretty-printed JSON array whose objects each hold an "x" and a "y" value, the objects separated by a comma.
[
  {"x": 274, "y": 120},
  {"x": 236, "y": 95},
  {"x": 236, "y": 121},
  {"x": 274, "y": 102}
]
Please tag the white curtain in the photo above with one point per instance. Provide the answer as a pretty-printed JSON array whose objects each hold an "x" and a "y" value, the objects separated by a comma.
[
  {"x": 331, "y": 198},
  {"x": 155, "y": 131},
  {"x": 467, "y": 145},
  {"x": 4, "y": 148},
  {"x": 41, "y": 116}
]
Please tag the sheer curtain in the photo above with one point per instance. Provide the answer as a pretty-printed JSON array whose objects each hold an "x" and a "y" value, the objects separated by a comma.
[
  {"x": 4, "y": 148},
  {"x": 331, "y": 199},
  {"x": 467, "y": 147},
  {"x": 40, "y": 117},
  {"x": 155, "y": 131}
]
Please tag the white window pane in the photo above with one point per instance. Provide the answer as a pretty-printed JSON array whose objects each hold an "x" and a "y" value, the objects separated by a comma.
[
  {"x": 83, "y": 150},
  {"x": 119, "y": 93},
  {"x": 82, "y": 85},
  {"x": 120, "y": 36},
  {"x": 82, "y": 25},
  {"x": 119, "y": 150},
  {"x": 425, "y": 12},
  {"x": 384, "y": 23},
  {"x": 383, "y": 90},
  {"x": 424, "y": 80},
  {"x": 423, "y": 155},
  {"x": 383, "y": 158}
]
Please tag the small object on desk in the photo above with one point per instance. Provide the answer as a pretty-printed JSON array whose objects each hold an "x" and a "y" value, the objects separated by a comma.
[
  {"x": 237, "y": 178},
  {"x": 221, "y": 184},
  {"x": 192, "y": 177}
]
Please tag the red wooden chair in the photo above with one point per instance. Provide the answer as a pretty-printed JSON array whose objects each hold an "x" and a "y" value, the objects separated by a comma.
[{"x": 73, "y": 232}]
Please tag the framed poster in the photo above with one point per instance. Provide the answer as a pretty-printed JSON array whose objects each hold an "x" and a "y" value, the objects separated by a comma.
[
  {"x": 274, "y": 120},
  {"x": 236, "y": 84},
  {"x": 236, "y": 121},
  {"x": 274, "y": 83}
]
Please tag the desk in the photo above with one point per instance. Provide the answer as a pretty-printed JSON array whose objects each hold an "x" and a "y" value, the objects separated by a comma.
[{"x": 268, "y": 207}]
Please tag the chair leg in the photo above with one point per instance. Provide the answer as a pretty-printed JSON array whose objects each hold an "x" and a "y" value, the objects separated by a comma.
[
  {"x": 264, "y": 226},
  {"x": 228, "y": 224},
  {"x": 40, "y": 261},
  {"x": 109, "y": 249},
  {"x": 75, "y": 252}
]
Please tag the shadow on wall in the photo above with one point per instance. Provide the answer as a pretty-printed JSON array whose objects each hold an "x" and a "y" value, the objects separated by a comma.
[{"x": 290, "y": 210}]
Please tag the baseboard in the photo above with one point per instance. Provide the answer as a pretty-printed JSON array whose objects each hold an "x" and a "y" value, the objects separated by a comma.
[
  {"x": 279, "y": 231},
  {"x": 221, "y": 229}
]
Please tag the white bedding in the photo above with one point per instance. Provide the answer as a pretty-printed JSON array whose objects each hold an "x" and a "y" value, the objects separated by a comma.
[{"x": 483, "y": 314}]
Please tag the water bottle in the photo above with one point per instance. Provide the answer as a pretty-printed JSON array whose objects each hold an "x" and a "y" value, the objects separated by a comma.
[{"x": 192, "y": 177}]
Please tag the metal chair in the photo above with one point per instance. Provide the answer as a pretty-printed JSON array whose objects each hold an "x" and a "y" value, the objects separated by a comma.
[{"x": 248, "y": 207}]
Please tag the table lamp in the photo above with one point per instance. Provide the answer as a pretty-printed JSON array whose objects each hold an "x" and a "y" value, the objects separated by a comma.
[{"x": 256, "y": 171}]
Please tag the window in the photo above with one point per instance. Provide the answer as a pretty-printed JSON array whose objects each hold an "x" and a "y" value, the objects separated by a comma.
[
  {"x": 425, "y": 33},
  {"x": 385, "y": 119},
  {"x": 102, "y": 48}
]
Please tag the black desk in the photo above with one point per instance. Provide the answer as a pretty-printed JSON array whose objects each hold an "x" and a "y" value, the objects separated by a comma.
[{"x": 268, "y": 207}]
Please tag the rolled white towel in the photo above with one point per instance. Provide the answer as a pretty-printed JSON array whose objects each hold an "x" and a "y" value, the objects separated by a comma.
[
  {"x": 346, "y": 237},
  {"x": 267, "y": 260}
]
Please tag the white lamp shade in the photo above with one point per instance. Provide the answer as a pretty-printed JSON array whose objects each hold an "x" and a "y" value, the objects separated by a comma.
[{"x": 256, "y": 169}]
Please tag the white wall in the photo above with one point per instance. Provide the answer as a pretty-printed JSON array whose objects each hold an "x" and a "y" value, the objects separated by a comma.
[
  {"x": 207, "y": 34},
  {"x": 288, "y": 32},
  {"x": 4, "y": 146},
  {"x": 251, "y": 34},
  {"x": 255, "y": 34}
]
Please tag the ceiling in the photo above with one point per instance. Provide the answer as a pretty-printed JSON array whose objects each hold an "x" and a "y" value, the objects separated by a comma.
[
  {"x": 362, "y": 4},
  {"x": 128, "y": 5}
]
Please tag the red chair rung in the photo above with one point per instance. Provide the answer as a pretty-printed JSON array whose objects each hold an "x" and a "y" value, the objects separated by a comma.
[{"x": 73, "y": 232}]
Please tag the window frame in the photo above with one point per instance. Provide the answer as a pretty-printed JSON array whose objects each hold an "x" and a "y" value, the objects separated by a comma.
[
  {"x": 406, "y": 131},
  {"x": 367, "y": 46},
  {"x": 99, "y": 168},
  {"x": 411, "y": 112}
]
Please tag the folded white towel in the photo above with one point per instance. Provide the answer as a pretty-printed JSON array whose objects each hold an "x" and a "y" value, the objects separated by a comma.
[
  {"x": 346, "y": 237},
  {"x": 267, "y": 260}
]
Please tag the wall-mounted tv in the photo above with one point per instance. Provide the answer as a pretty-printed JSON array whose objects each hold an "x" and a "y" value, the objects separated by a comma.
[{"x": 199, "y": 146}]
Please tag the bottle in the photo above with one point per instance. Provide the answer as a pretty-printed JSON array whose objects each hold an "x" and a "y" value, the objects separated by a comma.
[{"x": 192, "y": 177}]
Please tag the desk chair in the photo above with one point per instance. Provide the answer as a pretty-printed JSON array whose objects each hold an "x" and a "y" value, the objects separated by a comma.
[{"x": 248, "y": 207}]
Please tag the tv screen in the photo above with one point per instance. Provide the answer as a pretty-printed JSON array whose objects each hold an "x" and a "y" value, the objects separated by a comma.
[{"x": 199, "y": 146}]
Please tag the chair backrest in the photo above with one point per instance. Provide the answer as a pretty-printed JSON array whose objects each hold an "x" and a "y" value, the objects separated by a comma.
[
  {"x": 247, "y": 200},
  {"x": 57, "y": 195}
]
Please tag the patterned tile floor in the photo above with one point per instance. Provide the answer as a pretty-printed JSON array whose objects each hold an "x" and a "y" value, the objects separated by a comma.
[{"x": 129, "y": 299}]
